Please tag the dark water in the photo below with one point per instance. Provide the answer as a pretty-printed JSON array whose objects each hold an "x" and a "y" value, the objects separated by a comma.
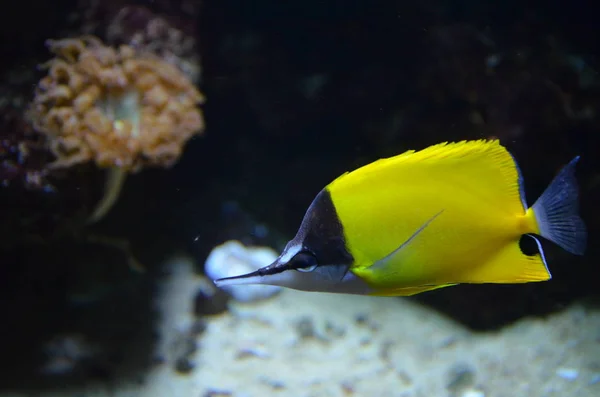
[{"x": 297, "y": 93}]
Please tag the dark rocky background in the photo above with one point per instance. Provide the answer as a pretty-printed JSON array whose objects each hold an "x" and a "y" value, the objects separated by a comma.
[{"x": 298, "y": 92}]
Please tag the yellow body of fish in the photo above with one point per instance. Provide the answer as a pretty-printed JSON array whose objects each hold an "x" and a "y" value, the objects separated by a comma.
[
  {"x": 471, "y": 193},
  {"x": 449, "y": 214}
]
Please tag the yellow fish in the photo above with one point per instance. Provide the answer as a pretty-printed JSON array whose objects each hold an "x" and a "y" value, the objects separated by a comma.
[{"x": 449, "y": 214}]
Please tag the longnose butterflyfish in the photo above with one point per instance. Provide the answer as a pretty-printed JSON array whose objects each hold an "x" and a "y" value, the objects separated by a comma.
[{"x": 449, "y": 214}]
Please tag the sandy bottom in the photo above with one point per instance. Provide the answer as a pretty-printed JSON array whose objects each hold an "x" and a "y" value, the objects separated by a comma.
[{"x": 309, "y": 344}]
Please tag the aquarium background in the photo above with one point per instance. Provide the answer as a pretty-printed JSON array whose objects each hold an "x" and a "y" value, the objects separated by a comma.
[{"x": 297, "y": 92}]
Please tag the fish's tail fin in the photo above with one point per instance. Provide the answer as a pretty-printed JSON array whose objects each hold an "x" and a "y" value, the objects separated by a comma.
[{"x": 557, "y": 212}]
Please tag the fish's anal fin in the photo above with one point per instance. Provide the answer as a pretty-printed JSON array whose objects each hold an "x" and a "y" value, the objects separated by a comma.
[
  {"x": 509, "y": 266},
  {"x": 393, "y": 256}
]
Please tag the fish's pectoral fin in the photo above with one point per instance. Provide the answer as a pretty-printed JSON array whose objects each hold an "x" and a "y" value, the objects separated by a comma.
[
  {"x": 396, "y": 270},
  {"x": 403, "y": 249}
]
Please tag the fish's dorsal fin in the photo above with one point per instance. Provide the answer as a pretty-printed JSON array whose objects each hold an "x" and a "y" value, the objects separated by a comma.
[
  {"x": 481, "y": 168},
  {"x": 449, "y": 151},
  {"x": 445, "y": 151}
]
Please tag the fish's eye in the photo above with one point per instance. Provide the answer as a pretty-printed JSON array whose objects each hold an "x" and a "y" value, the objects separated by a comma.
[{"x": 304, "y": 262}]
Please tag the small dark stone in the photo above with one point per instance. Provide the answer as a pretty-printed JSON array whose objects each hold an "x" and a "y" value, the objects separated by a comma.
[
  {"x": 183, "y": 365},
  {"x": 361, "y": 319},
  {"x": 217, "y": 393},
  {"x": 207, "y": 303},
  {"x": 183, "y": 350},
  {"x": 461, "y": 378},
  {"x": 347, "y": 388},
  {"x": 197, "y": 328},
  {"x": 305, "y": 328},
  {"x": 333, "y": 330},
  {"x": 277, "y": 385},
  {"x": 158, "y": 360}
]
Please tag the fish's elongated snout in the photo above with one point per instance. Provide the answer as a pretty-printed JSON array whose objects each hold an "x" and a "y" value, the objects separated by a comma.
[
  {"x": 276, "y": 274},
  {"x": 259, "y": 276},
  {"x": 321, "y": 279},
  {"x": 243, "y": 279}
]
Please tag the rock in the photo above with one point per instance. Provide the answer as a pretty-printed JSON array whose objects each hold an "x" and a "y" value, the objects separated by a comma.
[{"x": 232, "y": 259}]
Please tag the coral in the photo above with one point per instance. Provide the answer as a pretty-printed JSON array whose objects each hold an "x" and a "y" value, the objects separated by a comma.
[
  {"x": 116, "y": 107},
  {"x": 121, "y": 108},
  {"x": 140, "y": 28}
]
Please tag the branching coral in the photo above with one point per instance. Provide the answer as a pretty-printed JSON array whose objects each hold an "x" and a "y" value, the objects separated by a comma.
[{"x": 120, "y": 108}]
